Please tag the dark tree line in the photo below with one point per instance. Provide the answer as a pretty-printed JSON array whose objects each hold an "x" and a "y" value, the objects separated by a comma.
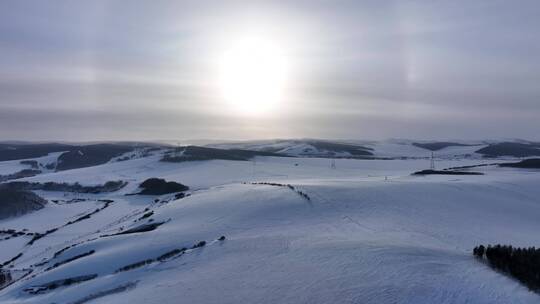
[
  {"x": 109, "y": 186},
  {"x": 299, "y": 192},
  {"x": 521, "y": 263}
]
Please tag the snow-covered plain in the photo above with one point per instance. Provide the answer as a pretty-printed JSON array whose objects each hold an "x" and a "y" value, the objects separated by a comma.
[{"x": 370, "y": 233}]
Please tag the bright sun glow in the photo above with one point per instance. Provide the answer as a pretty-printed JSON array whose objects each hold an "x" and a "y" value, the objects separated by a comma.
[{"x": 253, "y": 75}]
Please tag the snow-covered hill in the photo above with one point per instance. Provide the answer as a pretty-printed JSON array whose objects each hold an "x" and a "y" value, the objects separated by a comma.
[
  {"x": 361, "y": 149},
  {"x": 396, "y": 148},
  {"x": 364, "y": 232}
]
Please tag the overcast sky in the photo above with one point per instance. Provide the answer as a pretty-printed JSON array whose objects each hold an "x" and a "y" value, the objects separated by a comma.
[{"x": 141, "y": 70}]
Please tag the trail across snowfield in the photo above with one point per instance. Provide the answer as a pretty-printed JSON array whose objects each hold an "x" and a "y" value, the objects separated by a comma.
[{"x": 369, "y": 233}]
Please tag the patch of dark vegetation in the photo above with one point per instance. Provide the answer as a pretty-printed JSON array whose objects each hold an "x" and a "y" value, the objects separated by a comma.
[
  {"x": 5, "y": 278},
  {"x": 12, "y": 233},
  {"x": 39, "y": 289},
  {"x": 164, "y": 257},
  {"x": 70, "y": 201},
  {"x": 446, "y": 172},
  {"x": 139, "y": 153},
  {"x": 180, "y": 195},
  {"x": 511, "y": 149},
  {"x": 146, "y": 215},
  {"x": 13, "y": 259},
  {"x": 194, "y": 153},
  {"x": 90, "y": 155},
  {"x": 38, "y": 236},
  {"x": 332, "y": 147},
  {"x": 109, "y": 186},
  {"x": 134, "y": 265},
  {"x": 8, "y": 277},
  {"x": 87, "y": 216},
  {"x": 289, "y": 186},
  {"x": 158, "y": 186},
  {"x": 221, "y": 238},
  {"x": 82, "y": 255},
  {"x": 522, "y": 264},
  {"x": 532, "y": 163},
  {"x": 141, "y": 228},
  {"x": 170, "y": 254},
  {"x": 20, "y": 174},
  {"x": 39, "y": 264},
  {"x": 15, "y": 202},
  {"x": 438, "y": 145},
  {"x": 50, "y": 166},
  {"x": 176, "y": 196},
  {"x": 106, "y": 292},
  {"x": 32, "y": 163},
  {"x": 471, "y": 166},
  {"x": 82, "y": 218},
  {"x": 59, "y": 252},
  {"x": 199, "y": 245}
]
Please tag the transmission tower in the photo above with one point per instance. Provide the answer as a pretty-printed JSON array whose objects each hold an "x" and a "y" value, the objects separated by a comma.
[
  {"x": 432, "y": 165},
  {"x": 333, "y": 164}
]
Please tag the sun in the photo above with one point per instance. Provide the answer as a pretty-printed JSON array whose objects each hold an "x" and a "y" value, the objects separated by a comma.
[{"x": 253, "y": 75}]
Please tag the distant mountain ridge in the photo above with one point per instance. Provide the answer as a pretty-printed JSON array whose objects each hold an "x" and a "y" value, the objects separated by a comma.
[
  {"x": 73, "y": 156},
  {"x": 390, "y": 148},
  {"x": 511, "y": 149}
]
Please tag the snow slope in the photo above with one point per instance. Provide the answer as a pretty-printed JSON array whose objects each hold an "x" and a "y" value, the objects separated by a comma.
[{"x": 370, "y": 233}]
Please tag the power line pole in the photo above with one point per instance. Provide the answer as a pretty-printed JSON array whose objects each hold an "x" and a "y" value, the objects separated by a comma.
[
  {"x": 432, "y": 165},
  {"x": 254, "y": 163}
]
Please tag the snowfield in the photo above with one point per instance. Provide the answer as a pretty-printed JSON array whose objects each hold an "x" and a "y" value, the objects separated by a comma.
[{"x": 367, "y": 232}]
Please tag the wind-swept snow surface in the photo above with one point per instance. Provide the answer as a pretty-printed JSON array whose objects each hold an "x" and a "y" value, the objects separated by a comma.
[{"x": 366, "y": 232}]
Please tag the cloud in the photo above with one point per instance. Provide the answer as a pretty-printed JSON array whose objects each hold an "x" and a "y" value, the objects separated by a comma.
[{"x": 362, "y": 69}]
